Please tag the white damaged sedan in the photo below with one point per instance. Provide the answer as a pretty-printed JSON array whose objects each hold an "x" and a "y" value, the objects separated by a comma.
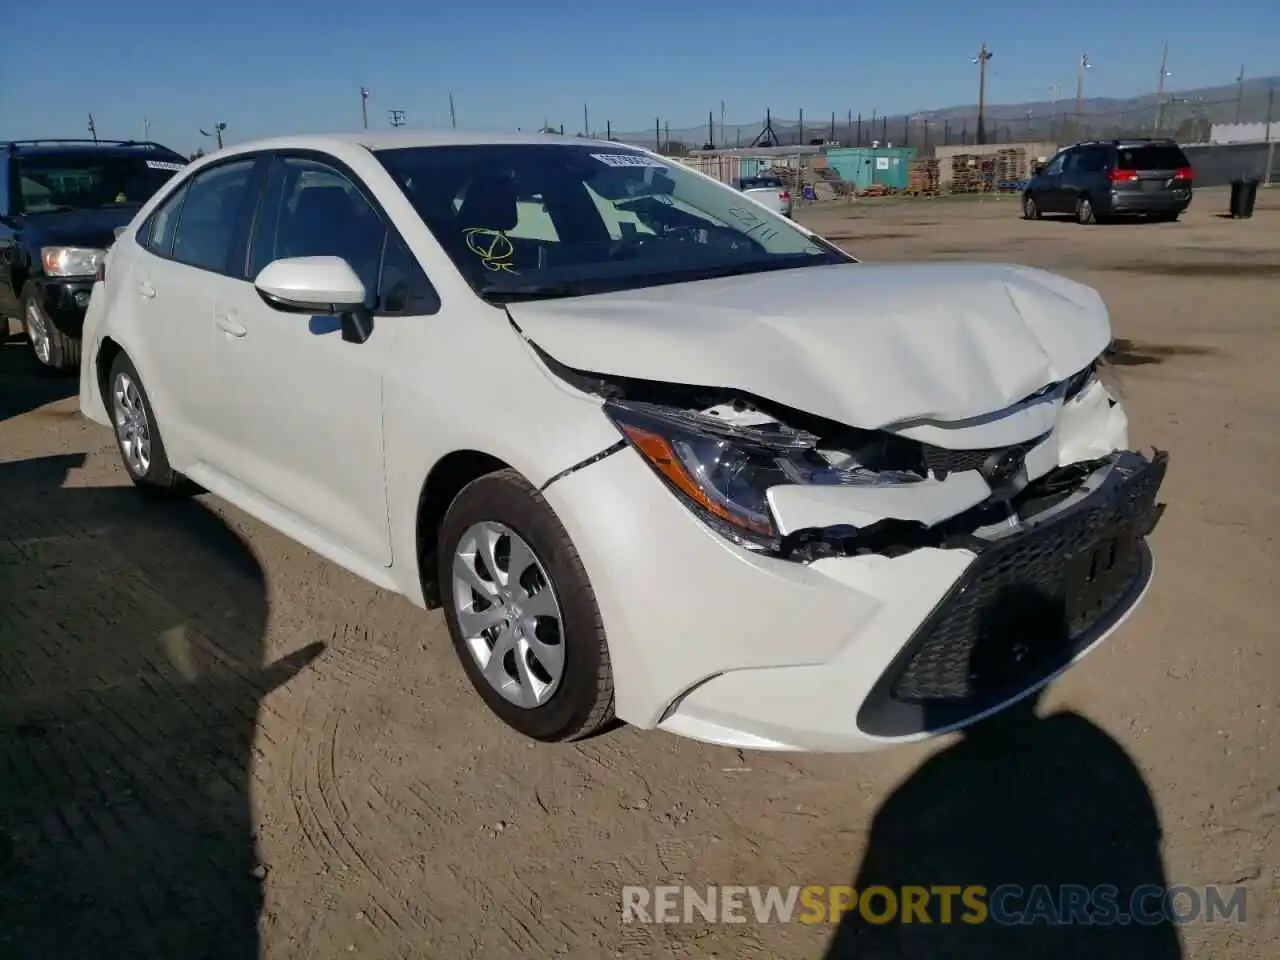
[{"x": 659, "y": 453}]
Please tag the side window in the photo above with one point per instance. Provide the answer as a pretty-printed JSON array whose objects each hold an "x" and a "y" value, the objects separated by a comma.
[
  {"x": 157, "y": 236},
  {"x": 1093, "y": 160},
  {"x": 1055, "y": 165},
  {"x": 309, "y": 209},
  {"x": 214, "y": 201},
  {"x": 403, "y": 287}
]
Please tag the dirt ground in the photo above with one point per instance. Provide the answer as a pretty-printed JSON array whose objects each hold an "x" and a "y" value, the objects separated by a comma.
[{"x": 214, "y": 743}]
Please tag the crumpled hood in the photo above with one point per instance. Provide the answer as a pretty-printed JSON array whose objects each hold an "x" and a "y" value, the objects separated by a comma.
[{"x": 867, "y": 345}]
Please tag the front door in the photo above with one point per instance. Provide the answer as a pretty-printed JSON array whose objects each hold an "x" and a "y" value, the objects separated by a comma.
[{"x": 305, "y": 406}]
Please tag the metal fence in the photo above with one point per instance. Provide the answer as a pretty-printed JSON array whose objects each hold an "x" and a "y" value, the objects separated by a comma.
[
  {"x": 1188, "y": 119},
  {"x": 1217, "y": 165}
]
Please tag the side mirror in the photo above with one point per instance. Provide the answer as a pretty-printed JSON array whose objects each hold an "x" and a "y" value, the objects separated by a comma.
[{"x": 316, "y": 286}]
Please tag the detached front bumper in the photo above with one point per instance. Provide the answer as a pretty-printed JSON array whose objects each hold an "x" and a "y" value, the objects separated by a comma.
[{"x": 852, "y": 653}]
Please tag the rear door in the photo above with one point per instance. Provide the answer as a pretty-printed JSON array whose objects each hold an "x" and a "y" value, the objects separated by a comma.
[
  {"x": 1083, "y": 176},
  {"x": 171, "y": 285},
  {"x": 1152, "y": 169}
]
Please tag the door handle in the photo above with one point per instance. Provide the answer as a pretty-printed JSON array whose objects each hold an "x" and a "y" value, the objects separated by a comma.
[
  {"x": 230, "y": 324},
  {"x": 146, "y": 290}
]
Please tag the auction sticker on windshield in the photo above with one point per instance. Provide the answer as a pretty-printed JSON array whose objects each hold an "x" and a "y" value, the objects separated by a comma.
[
  {"x": 627, "y": 160},
  {"x": 163, "y": 165}
]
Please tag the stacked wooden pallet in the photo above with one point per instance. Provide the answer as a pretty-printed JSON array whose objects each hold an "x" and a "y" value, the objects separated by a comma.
[
  {"x": 922, "y": 177},
  {"x": 1011, "y": 165},
  {"x": 964, "y": 173}
]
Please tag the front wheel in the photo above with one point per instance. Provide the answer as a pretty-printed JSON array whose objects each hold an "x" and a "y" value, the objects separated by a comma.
[
  {"x": 56, "y": 351},
  {"x": 521, "y": 611},
  {"x": 1085, "y": 214},
  {"x": 1030, "y": 209}
]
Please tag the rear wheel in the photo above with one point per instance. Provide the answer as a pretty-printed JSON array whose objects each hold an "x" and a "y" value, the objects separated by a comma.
[
  {"x": 55, "y": 350},
  {"x": 521, "y": 611},
  {"x": 141, "y": 447}
]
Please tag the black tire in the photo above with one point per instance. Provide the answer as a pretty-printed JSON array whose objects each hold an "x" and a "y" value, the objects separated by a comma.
[
  {"x": 158, "y": 475},
  {"x": 583, "y": 703},
  {"x": 1085, "y": 214},
  {"x": 64, "y": 351},
  {"x": 1030, "y": 208}
]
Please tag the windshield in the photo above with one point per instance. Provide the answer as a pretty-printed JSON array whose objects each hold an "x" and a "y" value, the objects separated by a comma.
[
  {"x": 84, "y": 180},
  {"x": 552, "y": 220}
]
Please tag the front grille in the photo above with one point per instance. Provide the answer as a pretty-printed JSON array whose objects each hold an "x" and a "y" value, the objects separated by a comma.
[
  {"x": 1024, "y": 605},
  {"x": 942, "y": 461}
]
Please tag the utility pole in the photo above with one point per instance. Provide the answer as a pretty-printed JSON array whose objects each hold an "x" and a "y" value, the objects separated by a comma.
[
  {"x": 723, "y": 141},
  {"x": 1081, "y": 67},
  {"x": 396, "y": 117},
  {"x": 217, "y": 132},
  {"x": 586, "y": 123},
  {"x": 364, "y": 107},
  {"x": 1239, "y": 93},
  {"x": 1271, "y": 144},
  {"x": 93, "y": 129},
  {"x": 1164, "y": 72},
  {"x": 453, "y": 114},
  {"x": 983, "y": 56},
  {"x": 1055, "y": 91},
  {"x": 146, "y": 130}
]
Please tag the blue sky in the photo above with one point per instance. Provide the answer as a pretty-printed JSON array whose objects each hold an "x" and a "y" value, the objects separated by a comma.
[{"x": 279, "y": 66}]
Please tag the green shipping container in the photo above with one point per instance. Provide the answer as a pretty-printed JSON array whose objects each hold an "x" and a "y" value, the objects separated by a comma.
[{"x": 865, "y": 166}]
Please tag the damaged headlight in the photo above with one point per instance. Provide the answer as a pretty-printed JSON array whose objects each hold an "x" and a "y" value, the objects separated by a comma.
[
  {"x": 723, "y": 471},
  {"x": 1102, "y": 371}
]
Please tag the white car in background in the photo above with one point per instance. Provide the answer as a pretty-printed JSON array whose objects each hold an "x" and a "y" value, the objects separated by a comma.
[
  {"x": 659, "y": 455},
  {"x": 768, "y": 190}
]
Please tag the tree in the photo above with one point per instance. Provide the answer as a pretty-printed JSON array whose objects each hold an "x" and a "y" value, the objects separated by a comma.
[{"x": 197, "y": 155}]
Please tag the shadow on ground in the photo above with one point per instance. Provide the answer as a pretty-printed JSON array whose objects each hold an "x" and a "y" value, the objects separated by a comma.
[
  {"x": 1023, "y": 802},
  {"x": 26, "y": 385},
  {"x": 131, "y": 673}
]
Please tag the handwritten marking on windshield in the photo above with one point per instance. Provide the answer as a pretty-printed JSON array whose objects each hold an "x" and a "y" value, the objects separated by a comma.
[
  {"x": 493, "y": 247},
  {"x": 754, "y": 224}
]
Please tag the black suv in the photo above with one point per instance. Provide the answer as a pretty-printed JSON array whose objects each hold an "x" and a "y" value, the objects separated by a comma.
[
  {"x": 61, "y": 202},
  {"x": 1111, "y": 178}
]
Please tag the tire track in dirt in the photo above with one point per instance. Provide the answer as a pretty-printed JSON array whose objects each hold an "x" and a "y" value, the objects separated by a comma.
[{"x": 325, "y": 821}]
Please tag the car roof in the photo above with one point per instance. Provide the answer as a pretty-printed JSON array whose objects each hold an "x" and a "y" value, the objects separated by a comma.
[
  {"x": 399, "y": 139},
  {"x": 43, "y": 148}
]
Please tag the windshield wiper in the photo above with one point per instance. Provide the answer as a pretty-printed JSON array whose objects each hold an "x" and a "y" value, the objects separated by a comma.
[{"x": 512, "y": 292}]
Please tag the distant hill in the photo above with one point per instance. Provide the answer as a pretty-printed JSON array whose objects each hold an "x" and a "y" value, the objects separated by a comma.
[{"x": 1184, "y": 114}]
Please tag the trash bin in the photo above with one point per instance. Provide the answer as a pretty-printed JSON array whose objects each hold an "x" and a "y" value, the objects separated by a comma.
[{"x": 1244, "y": 195}]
